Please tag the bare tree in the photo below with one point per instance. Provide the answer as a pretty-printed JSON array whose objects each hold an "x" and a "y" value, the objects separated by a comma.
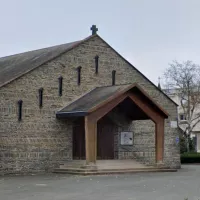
[{"x": 185, "y": 79}]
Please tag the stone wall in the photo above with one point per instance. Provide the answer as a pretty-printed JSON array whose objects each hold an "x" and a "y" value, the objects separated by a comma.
[
  {"x": 143, "y": 148},
  {"x": 144, "y": 141},
  {"x": 40, "y": 141}
]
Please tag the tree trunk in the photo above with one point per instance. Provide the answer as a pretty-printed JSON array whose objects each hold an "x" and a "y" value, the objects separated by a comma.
[{"x": 188, "y": 143}]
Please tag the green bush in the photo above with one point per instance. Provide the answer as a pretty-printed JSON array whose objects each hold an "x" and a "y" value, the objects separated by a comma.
[
  {"x": 183, "y": 144},
  {"x": 190, "y": 157}
]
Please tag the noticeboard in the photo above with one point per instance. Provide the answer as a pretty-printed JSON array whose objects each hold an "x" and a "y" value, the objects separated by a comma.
[{"x": 126, "y": 138}]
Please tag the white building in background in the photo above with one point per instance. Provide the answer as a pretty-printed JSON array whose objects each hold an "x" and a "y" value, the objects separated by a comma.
[{"x": 182, "y": 120}]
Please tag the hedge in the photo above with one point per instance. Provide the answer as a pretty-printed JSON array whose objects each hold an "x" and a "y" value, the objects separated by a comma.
[{"x": 190, "y": 158}]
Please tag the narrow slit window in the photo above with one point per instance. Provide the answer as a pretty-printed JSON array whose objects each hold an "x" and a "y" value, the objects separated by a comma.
[
  {"x": 96, "y": 64},
  {"x": 113, "y": 77},
  {"x": 20, "y": 110},
  {"x": 40, "y": 97},
  {"x": 79, "y": 75},
  {"x": 60, "y": 79}
]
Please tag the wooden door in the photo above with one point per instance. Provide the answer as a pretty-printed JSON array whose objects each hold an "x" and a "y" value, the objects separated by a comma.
[
  {"x": 105, "y": 139},
  {"x": 79, "y": 140}
]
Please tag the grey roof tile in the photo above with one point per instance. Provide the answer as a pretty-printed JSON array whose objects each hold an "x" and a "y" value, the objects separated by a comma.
[
  {"x": 93, "y": 98},
  {"x": 12, "y": 67}
]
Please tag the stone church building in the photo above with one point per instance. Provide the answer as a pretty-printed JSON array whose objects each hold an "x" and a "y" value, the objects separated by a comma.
[{"x": 82, "y": 101}]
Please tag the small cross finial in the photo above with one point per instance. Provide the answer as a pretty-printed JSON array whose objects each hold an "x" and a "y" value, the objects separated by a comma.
[{"x": 94, "y": 29}]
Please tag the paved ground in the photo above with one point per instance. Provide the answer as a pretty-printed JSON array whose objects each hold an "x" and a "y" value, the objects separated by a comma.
[{"x": 151, "y": 186}]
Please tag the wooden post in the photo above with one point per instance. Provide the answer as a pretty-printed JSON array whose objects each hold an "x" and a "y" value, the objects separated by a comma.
[
  {"x": 160, "y": 141},
  {"x": 90, "y": 140}
]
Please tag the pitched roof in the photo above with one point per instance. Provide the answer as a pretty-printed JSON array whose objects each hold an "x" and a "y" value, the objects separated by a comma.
[
  {"x": 100, "y": 96},
  {"x": 93, "y": 98},
  {"x": 14, "y": 66}
]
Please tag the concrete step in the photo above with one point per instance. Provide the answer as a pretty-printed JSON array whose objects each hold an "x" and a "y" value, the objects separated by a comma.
[
  {"x": 107, "y": 167},
  {"x": 112, "y": 164},
  {"x": 94, "y": 170},
  {"x": 109, "y": 171}
]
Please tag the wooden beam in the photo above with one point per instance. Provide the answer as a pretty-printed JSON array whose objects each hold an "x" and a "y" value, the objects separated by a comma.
[
  {"x": 150, "y": 112},
  {"x": 160, "y": 141},
  {"x": 112, "y": 98},
  {"x": 128, "y": 89},
  {"x": 91, "y": 129},
  {"x": 90, "y": 140},
  {"x": 99, "y": 113}
]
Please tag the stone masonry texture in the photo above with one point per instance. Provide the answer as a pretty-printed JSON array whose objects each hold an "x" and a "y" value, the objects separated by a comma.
[
  {"x": 41, "y": 142},
  {"x": 143, "y": 148}
]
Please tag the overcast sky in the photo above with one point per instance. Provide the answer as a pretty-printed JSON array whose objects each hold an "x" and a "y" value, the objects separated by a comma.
[{"x": 148, "y": 33}]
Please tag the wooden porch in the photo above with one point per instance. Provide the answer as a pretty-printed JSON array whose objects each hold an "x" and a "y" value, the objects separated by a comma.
[{"x": 92, "y": 108}]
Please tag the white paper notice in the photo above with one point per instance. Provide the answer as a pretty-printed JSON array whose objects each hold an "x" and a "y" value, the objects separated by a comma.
[{"x": 126, "y": 138}]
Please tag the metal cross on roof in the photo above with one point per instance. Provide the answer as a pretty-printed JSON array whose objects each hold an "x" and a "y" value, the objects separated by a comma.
[{"x": 94, "y": 29}]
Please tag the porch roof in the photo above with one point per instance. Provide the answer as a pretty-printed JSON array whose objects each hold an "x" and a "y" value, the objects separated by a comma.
[{"x": 99, "y": 97}]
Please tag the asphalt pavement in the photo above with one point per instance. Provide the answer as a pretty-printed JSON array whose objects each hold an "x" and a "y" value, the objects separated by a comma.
[{"x": 144, "y": 186}]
